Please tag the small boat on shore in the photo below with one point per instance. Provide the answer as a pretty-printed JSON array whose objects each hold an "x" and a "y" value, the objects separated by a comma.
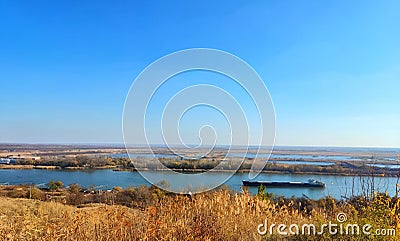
[{"x": 311, "y": 183}]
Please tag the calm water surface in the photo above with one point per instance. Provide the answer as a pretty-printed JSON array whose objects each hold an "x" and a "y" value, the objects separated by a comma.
[{"x": 336, "y": 186}]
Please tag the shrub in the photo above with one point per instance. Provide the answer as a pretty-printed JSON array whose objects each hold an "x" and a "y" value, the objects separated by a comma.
[{"x": 54, "y": 185}]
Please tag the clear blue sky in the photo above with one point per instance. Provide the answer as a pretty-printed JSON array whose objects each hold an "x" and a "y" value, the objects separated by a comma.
[{"x": 332, "y": 67}]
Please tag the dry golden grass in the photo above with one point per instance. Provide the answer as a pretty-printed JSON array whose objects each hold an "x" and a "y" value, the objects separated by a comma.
[{"x": 219, "y": 215}]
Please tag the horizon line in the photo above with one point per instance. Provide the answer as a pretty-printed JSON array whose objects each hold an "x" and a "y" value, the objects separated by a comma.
[{"x": 164, "y": 145}]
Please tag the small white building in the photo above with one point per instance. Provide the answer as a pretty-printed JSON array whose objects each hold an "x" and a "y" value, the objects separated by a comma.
[
  {"x": 7, "y": 161},
  {"x": 33, "y": 158}
]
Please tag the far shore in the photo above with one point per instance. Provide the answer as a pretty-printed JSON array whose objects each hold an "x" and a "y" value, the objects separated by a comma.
[
  {"x": 116, "y": 168},
  {"x": 87, "y": 158}
]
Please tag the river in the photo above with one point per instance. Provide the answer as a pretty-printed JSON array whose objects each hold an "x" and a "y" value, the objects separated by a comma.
[{"x": 336, "y": 186}]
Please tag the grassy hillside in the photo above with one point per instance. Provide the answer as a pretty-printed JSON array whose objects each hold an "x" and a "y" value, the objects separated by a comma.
[{"x": 217, "y": 215}]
